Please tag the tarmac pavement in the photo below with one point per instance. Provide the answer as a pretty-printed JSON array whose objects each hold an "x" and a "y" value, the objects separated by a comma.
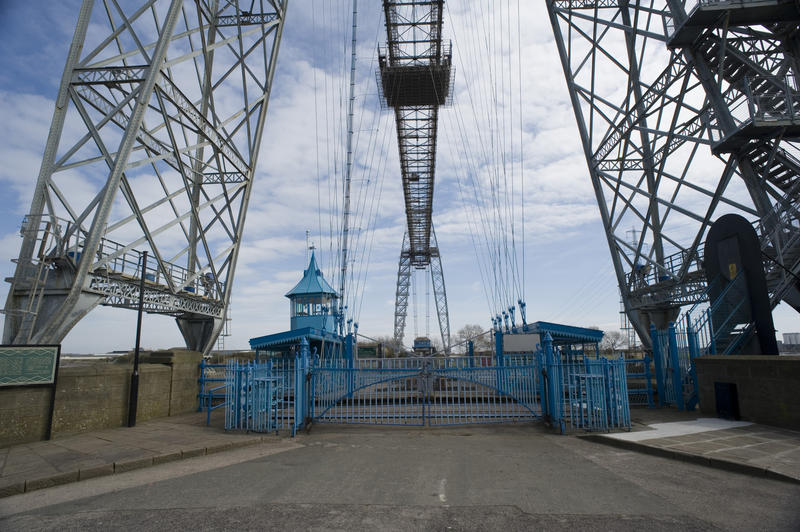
[
  {"x": 490, "y": 477},
  {"x": 752, "y": 449}
]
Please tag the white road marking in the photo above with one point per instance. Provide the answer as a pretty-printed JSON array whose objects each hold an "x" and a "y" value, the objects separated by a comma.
[{"x": 442, "y": 495}]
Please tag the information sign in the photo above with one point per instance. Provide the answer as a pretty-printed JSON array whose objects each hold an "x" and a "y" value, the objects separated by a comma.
[{"x": 23, "y": 365}]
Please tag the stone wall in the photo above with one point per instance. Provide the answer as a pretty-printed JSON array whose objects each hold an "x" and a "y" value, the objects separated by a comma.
[
  {"x": 768, "y": 387},
  {"x": 91, "y": 397}
]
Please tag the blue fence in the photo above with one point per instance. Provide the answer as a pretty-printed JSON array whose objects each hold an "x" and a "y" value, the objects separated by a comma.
[
  {"x": 640, "y": 381},
  {"x": 288, "y": 393},
  {"x": 253, "y": 397},
  {"x": 674, "y": 351},
  {"x": 721, "y": 326},
  {"x": 423, "y": 391},
  {"x": 211, "y": 385}
]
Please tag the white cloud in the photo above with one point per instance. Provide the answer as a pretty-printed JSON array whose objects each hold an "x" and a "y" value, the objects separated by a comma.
[{"x": 298, "y": 184}]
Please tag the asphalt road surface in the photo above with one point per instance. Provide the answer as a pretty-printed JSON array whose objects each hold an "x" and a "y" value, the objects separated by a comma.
[{"x": 368, "y": 478}]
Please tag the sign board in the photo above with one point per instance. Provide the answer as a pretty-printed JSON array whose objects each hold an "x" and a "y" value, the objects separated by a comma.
[
  {"x": 25, "y": 365},
  {"x": 521, "y": 343}
]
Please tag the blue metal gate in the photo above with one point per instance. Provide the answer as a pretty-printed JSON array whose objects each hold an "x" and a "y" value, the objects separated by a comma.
[
  {"x": 424, "y": 391},
  {"x": 289, "y": 393}
]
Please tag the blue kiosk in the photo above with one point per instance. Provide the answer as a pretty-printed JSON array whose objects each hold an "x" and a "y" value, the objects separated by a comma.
[{"x": 312, "y": 310}]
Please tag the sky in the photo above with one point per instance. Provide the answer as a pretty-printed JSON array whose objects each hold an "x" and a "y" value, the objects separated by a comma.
[{"x": 564, "y": 274}]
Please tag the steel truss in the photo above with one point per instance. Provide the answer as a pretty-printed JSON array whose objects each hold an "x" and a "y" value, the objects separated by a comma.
[
  {"x": 404, "y": 285},
  {"x": 415, "y": 79},
  {"x": 153, "y": 146},
  {"x": 686, "y": 112}
]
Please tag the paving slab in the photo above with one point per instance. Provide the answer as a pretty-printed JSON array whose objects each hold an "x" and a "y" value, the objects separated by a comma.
[
  {"x": 740, "y": 446},
  {"x": 71, "y": 458}
]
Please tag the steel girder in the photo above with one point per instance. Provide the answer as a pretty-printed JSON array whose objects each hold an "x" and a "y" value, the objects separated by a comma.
[
  {"x": 153, "y": 146},
  {"x": 684, "y": 117},
  {"x": 415, "y": 79},
  {"x": 439, "y": 292},
  {"x": 401, "y": 295}
]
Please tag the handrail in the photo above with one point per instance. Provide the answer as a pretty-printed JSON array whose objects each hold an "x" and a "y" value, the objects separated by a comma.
[
  {"x": 209, "y": 406},
  {"x": 69, "y": 242}
]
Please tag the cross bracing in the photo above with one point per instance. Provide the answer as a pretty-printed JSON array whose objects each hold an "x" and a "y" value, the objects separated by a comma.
[
  {"x": 686, "y": 112},
  {"x": 153, "y": 147},
  {"x": 415, "y": 79}
]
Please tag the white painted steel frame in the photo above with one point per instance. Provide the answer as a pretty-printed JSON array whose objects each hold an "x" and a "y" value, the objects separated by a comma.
[
  {"x": 153, "y": 146},
  {"x": 672, "y": 140}
]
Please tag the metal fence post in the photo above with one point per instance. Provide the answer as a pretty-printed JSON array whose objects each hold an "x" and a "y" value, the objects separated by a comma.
[
  {"x": 297, "y": 385},
  {"x": 553, "y": 382},
  {"x": 677, "y": 377},
  {"x": 542, "y": 374},
  {"x": 300, "y": 395},
  {"x": 499, "y": 363},
  {"x": 648, "y": 383},
  {"x": 202, "y": 385},
  {"x": 237, "y": 396},
  {"x": 712, "y": 346},
  {"x": 610, "y": 386},
  {"x": 348, "y": 351},
  {"x": 694, "y": 351},
  {"x": 658, "y": 358}
]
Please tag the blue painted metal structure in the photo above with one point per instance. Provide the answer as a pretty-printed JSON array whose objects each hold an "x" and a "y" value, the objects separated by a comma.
[
  {"x": 431, "y": 391},
  {"x": 253, "y": 397},
  {"x": 566, "y": 334},
  {"x": 210, "y": 374},
  {"x": 640, "y": 381},
  {"x": 312, "y": 319},
  {"x": 293, "y": 391},
  {"x": 268, "y": 396},
  {"x": 424, "y": 391},
  {"x": 313, "y": 300},
  {"x": 705, "y": 329}
]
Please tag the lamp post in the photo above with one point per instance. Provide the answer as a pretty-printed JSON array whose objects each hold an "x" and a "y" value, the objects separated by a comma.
[{"x": 134, "y": 397}]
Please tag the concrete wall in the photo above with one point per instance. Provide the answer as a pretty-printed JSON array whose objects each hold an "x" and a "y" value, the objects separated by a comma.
[
  {"x": 91, "y": 397},
  {"x": 768, "y": 386}
]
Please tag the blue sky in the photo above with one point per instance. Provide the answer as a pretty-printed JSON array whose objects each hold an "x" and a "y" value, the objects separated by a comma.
[{"x": 568, "y": 275}]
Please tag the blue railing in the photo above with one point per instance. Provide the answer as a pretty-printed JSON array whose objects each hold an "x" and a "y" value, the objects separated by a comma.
[
  {"x": 209, "y": 401},
  {"x": 640, "y": 381},
  {"x": 714, "y": 324},
  {"x": 287, "y": 393},
  {"x": 209, "y": 395},
  {"x": 253, "y": 397},
  {"x": 709, "y": 327}
]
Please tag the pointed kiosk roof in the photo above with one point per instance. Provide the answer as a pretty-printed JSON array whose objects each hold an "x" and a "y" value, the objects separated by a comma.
[{"x": 312, "y": 282}]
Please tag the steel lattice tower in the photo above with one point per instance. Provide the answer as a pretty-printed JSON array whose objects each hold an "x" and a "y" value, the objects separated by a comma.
[
  {"x": 686, "y": 112},
  {"x": 153, "y": 146},
  {"x": 415, "y": 81}
]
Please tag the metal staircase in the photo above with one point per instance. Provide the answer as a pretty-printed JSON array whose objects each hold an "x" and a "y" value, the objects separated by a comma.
[
  {"x": 761, "y": 110},
  {"x": 668, "y": 96}
]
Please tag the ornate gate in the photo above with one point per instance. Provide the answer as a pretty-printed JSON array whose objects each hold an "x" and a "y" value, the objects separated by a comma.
[{"x": 425, "y": 391}]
